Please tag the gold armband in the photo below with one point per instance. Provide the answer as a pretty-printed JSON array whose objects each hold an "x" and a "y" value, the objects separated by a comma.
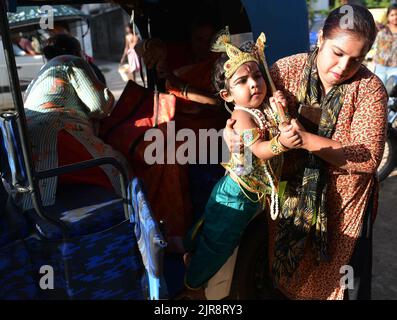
[{"x": 276, "y": 147}]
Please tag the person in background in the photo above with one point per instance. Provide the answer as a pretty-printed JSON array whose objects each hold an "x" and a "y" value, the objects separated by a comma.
[
  {"x": 63, "y": 28},
  {"x": 385, "y": 57},
  {"x": 23, "y": 43},
  {"x": 133, "y": 66},
  {"x": 178, "y": 63}
]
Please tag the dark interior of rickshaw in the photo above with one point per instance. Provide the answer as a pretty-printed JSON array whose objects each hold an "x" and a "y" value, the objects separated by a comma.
[{"x": 167, "y": 20}]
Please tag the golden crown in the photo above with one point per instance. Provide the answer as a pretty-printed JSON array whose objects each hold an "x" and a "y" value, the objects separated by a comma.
[
  {"x": 236, "y": 56},
  {"x": 236, "y": 59}
]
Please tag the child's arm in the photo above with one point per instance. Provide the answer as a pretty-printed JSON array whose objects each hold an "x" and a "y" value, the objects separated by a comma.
[
  {"x": 247, "y": 128},
  {"x": 250, "y": 133}
]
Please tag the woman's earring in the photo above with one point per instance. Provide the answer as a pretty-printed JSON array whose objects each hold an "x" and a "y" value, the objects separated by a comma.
[{"x": 227, "y": 107}]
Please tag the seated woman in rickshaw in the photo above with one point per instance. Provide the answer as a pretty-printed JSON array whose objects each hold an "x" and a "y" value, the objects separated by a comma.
[
  {"x": 185, "y": 66},
  {"x": 196, "y": 108},
  {"x": 62, "y": 106}
]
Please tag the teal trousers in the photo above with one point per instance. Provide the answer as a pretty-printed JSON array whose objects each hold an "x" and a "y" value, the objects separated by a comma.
[{"x": 215, "y": 236}]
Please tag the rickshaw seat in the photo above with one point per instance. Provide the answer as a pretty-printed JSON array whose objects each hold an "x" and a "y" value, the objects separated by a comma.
[
  {"x": 84, "y": 209},
  {"x": 105, "y": 254},
  {"x": 13, "y": 224}
]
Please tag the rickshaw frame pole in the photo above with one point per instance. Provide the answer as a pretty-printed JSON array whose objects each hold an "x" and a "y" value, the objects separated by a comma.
[{"x": 21, "y": 120}]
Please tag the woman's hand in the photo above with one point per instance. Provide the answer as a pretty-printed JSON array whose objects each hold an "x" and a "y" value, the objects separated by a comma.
[
  {"x": 232, "y": 138},
  {"x": 289, "y": 136},
  {"x": 329, "y": 150},
  {"x": 302, "y": 133}
]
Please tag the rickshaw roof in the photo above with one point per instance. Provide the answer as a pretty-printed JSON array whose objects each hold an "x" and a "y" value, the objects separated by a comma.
[
  {"x": 285, "y": 22},
  {"x": 27, "y": 16}
]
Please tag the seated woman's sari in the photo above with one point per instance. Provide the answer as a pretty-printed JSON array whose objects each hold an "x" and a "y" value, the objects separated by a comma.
[
  {"x": 167, "y": 184},
  {"x": 62, "y": 105}
]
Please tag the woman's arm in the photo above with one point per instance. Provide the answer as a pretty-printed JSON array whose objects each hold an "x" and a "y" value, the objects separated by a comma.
[
  {"x": 201, "y": 96},
  {"x": 327, "y": 149},
  {"x": 362, "y": 151},
  {"x": 181, "y": 89}
]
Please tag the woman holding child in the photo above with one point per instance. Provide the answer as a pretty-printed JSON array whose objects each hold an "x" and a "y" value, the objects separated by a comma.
[
  {"x": 253, "y": 174},
  {"x": 330, "y": 201}
]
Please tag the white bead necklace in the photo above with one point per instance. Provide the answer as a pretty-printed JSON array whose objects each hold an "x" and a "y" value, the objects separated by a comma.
[{"x": 260, "y": 119}]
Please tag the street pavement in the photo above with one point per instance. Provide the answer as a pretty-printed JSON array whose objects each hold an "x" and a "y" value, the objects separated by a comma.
[
  {"x": 384, "y": 285},
  {"x": 113, "y": 79},
  {"x": 384, "y": 273}
]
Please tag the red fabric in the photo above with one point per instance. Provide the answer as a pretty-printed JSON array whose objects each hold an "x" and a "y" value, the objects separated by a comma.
[
  {"x": 167, "y": 184},
  {"x": 71, "y": 151},
  {"x": 133, "y": 115},
  {"x": 167, "y": 188},
  {"x": 129, "y": 100}
]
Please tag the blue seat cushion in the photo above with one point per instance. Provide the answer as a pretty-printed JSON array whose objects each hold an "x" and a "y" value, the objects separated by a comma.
[
  {"x": 85, "y": 209},
  {"x": 17, "y": 277},
  {"x": 13, "y": 224},
  {"x": 101, "y": 265}
]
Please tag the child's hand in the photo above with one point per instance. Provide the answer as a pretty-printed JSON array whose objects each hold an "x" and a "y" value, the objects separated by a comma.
[
  {"x": 280, "y": 98},
  {"x": 297, "y": 125},
  {"x": 278, "y": 103},
  {"x": 289, "y": 137}
]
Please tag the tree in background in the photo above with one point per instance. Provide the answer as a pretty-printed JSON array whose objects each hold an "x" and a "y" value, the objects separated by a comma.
[
  {"x": 312, "y": 12},
  {"x": 367, "y": 3},
  {"x": 337, "y": 3}
]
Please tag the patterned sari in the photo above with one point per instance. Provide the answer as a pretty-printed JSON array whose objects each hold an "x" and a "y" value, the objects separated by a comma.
[{"x": 304, "y": 213}]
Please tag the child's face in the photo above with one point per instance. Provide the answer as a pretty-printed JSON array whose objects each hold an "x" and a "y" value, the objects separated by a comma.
[{"x": 247, "y": 86}]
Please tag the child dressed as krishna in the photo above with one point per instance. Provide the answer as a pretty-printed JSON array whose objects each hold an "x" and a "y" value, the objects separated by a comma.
[{"x": 240, "y": 77}]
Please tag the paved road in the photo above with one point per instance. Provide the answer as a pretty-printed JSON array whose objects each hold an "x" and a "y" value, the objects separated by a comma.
[
  {"x": 384, "y": 274},
  {"x": 385, "y": 229},
  {"x": 113, "y": 78}
]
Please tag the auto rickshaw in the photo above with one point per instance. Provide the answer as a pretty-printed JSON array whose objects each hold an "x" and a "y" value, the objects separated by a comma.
[{"x": 48, "y": 254}]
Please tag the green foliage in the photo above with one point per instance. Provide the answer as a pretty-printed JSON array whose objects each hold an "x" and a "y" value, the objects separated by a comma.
[
  {"x": 368, "y": 3},
  {"x": 310, "y": 9},
  {"x": 377, "y": 3},
  {"x": 337, "y": 3},
  {"x": 312, "y": 12}
]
